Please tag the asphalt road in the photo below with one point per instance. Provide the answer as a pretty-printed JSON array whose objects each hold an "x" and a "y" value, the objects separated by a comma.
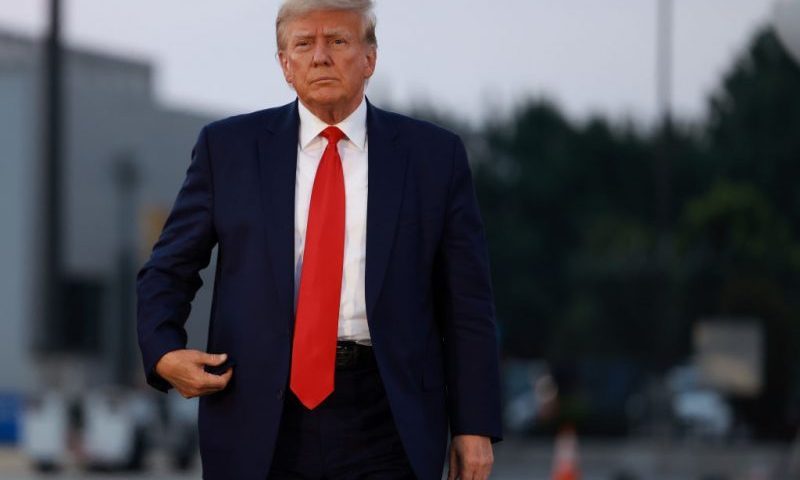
[{"x": 518, "y": 459}]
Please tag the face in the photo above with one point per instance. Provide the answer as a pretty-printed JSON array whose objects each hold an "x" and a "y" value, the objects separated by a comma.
[{"x": 326, "y": 60}]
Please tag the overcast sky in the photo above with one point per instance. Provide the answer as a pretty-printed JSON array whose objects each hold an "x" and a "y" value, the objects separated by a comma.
[{"x": 472, "y": 58}]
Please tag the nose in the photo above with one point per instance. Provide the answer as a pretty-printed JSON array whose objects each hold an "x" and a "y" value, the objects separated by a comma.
[{"x": 321, "y": 54}]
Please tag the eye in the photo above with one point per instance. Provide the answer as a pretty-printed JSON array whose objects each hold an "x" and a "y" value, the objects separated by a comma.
[{"x": 339, "y": 41}]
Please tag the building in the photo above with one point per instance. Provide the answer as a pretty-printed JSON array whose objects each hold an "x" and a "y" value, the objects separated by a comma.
[{"x": 124, "y": 158}]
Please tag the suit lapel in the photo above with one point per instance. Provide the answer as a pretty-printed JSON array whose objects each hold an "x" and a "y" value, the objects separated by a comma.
[
  {"x": 386, "y": 177},
  {"x": 277, "y": 163}
]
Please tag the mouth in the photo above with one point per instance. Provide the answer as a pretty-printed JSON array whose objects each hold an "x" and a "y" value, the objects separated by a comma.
[{"x": 323, "y": 80}]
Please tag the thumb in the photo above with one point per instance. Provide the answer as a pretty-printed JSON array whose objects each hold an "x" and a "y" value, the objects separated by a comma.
[{"x": 214, "y": 358}]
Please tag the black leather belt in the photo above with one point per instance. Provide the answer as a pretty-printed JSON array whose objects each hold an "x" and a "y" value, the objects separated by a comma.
[{"x": 349, "y": 354}]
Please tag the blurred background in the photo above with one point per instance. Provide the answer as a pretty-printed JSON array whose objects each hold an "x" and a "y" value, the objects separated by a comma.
[{"x": 635, "y": 163}]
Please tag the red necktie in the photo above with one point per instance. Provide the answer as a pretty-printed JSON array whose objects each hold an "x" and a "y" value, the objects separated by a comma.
[{"x": 317, "y": 319}]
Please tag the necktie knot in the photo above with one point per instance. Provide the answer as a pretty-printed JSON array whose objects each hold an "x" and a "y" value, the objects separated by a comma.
[{"x": 333, "y": 134}]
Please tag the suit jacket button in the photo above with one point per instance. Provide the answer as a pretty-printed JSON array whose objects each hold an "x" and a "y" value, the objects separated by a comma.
[{"x": 279, "y": 394}]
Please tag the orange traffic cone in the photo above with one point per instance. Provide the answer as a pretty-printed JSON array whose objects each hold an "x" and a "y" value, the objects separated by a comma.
[{"x": 565, "y": 457}]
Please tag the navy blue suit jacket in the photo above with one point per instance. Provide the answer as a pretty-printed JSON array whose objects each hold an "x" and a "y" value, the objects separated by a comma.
[{"x": 428, "y": 292}]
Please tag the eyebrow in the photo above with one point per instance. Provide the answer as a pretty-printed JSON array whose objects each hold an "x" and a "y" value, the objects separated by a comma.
[{"x": 334, "y": 32}]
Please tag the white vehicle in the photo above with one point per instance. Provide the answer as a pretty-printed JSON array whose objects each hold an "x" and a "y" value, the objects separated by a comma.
[
  {"x": 704, "y": 413},
  {"x": 44, "y": 431}
]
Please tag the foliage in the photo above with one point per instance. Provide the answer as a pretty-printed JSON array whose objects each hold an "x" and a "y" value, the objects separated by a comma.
[{"x": 610, "y": 242}]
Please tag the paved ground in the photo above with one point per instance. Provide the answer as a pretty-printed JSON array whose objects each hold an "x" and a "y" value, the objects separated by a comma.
[{"x": 518, "y": 459}]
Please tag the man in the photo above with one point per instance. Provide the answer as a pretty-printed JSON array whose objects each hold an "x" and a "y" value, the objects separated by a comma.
[{"x": 352, "y": 314}]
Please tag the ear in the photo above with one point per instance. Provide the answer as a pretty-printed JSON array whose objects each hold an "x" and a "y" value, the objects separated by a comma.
[
  {"x": 371, "y": 59},
  {"x": 286, "y": 67}
]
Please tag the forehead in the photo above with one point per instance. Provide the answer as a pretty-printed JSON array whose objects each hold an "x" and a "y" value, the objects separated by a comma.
[{"x": 325, "y": 22}]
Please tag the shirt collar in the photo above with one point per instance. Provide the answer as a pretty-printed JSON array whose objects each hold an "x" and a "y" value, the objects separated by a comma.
[{"x": 354, "y": 126}]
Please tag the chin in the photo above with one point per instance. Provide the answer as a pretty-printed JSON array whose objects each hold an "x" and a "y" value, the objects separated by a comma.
[{"x": 326, "y": 98}]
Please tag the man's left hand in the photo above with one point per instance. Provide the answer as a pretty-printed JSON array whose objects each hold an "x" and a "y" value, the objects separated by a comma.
[{"x": 471, "y": 457}]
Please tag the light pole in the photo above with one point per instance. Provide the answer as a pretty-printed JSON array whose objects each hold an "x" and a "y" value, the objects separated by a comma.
[
  {"x": 53, "y": 284},
  {"x": 664, "y": 97},
  {"x": 664, "y": 312},
  {"x": 664, "y": 60},
  {"x": 126, "y": 179}
]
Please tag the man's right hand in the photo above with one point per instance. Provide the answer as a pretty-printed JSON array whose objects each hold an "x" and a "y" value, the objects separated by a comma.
[{"x": 183, "y": 369}]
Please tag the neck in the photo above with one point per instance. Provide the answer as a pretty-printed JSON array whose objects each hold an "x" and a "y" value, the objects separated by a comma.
[{"x": 333, "y": 114}]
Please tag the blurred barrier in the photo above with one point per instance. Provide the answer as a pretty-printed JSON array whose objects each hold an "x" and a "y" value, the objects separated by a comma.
[{"x": 10, "y": 411}]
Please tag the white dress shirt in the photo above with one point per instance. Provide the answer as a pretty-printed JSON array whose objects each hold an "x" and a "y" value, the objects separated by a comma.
[{"x": 353, "y": 152}]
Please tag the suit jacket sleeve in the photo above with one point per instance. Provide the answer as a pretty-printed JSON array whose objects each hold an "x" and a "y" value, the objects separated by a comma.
[
  {"x": 167, "y": 283},
  {"x": 467, "y": 307}
]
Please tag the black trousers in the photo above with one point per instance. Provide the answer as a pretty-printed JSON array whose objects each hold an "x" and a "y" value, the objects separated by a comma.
[{"x": 350, "y": 435}]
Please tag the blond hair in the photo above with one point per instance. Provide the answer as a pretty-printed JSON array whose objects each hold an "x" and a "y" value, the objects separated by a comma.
[{"x": 292, "y": 9}]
